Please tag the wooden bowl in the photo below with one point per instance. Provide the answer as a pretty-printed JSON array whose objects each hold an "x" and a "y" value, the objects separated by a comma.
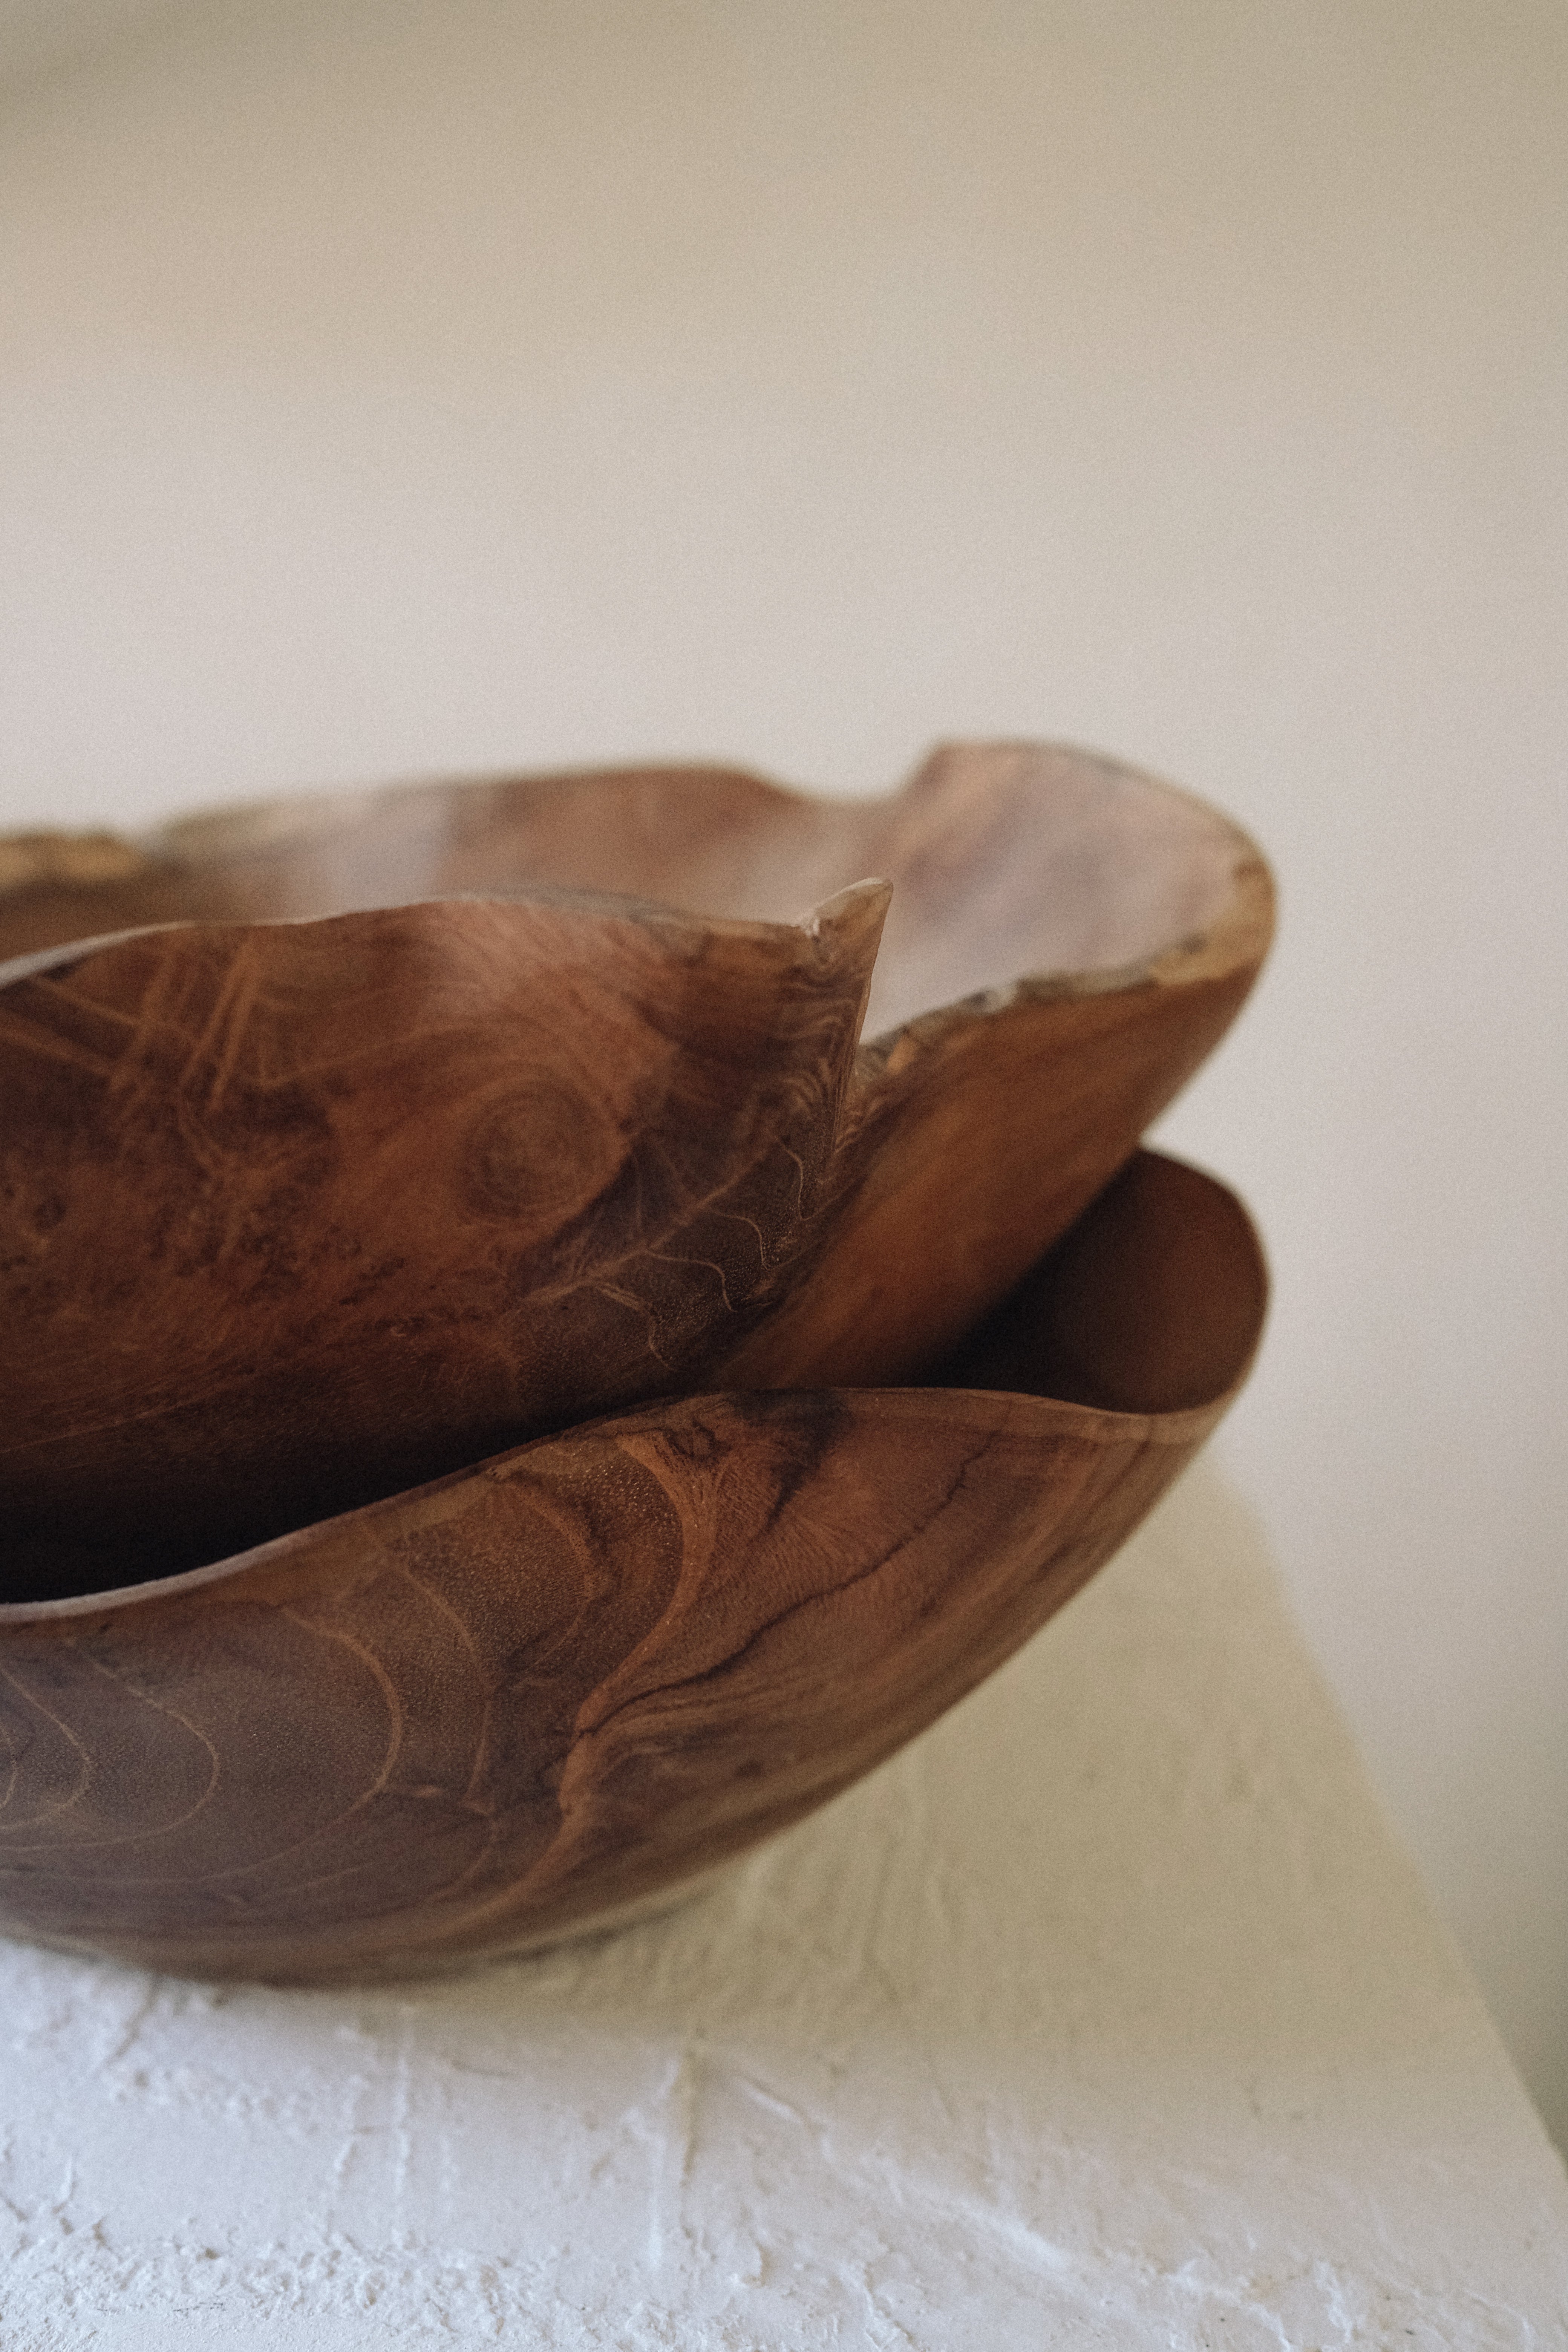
[
  {"x": 346, "y": 1176},
  {"x": 535, "y": 1696}
]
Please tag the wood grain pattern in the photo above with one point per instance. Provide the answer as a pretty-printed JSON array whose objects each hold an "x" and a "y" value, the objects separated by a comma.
[
  {"x": 512, "y": 1703},
  {"x": 296, "y": 1212}
]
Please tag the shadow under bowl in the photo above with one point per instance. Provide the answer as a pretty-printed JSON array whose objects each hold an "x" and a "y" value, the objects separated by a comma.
[{"x": 530, "y": 1699}]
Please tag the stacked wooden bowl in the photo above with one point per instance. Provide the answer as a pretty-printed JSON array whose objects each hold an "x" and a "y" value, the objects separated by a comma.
[{"x": 505, "y": 1398}]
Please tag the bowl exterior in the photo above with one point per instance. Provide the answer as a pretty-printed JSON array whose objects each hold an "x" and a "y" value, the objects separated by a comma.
[
  {"x": 299, "y": 1208},
  {"x": 298, "y": 1214},
  {"x": 519, "y": 1702}
]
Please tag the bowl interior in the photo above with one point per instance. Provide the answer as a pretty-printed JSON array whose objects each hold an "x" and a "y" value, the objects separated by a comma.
[
  {"x": 1150, "y": 1305},
  {"x": 1004, "y": 860}
]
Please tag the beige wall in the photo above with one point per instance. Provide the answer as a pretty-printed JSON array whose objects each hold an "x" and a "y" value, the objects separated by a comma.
[{"x": 388, "y": 388}]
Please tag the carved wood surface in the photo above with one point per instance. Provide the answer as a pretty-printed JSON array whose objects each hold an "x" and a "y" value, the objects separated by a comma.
[
  {"x": 295, "y": 1212},
  {"x": 512, "y": 1703}
]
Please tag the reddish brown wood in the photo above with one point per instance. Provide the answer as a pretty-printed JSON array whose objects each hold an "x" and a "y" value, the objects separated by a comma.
[
  {"x": 518, "y": 1702},
  {"x": 294, "y": 1214}
]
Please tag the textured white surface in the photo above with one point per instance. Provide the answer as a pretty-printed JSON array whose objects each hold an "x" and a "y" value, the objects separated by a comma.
[{"x": 1107, "y": 2015}]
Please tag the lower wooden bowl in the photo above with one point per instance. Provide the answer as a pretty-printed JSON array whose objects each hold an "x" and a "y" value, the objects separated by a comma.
[{"x": 541, "y": 1693}]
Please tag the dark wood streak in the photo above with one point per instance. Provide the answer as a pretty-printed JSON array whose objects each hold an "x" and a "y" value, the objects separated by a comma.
[
  {"x": 297, "y": 1213},
  {"x": 509, "y": 1704}
]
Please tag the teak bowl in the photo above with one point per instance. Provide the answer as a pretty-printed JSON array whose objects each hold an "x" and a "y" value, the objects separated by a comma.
[
  {"x": 320, "y": 1176},
  {"x": 538, "y": 1695}
]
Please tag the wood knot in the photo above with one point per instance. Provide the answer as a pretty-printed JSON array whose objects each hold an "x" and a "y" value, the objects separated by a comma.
[{"x": 538, "y": 1154}]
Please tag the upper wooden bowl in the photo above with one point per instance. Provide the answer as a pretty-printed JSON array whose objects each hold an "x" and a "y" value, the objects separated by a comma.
[
  {"x": 347, "y": 1176},
  {"x": 535, "y": 1695}
]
